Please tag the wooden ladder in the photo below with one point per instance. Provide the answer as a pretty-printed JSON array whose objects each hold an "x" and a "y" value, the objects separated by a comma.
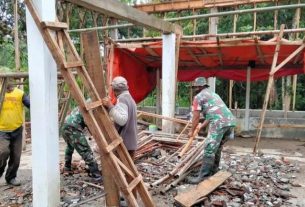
[{"x": 110, "y": 144}]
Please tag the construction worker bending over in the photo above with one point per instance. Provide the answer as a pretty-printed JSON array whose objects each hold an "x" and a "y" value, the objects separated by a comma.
[
  {"x": 74, "y": 136},
  {"x": 221, "y": 124},
  {"x": 124, "y": 113},
  {"x": 11, "y": 120}
]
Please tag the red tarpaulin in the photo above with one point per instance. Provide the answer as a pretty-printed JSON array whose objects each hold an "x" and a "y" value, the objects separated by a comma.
[{"x": 226, "y": 60}]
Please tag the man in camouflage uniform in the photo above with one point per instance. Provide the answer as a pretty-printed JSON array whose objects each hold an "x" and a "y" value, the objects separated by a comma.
[
  {"x": 73, "y": 134},
  {"x": 221, "y": 125}
]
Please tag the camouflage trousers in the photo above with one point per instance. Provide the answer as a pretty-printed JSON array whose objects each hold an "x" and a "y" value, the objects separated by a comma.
[
  {"x": 214, "y": 144},
  {"x": 76, "y": 139}
]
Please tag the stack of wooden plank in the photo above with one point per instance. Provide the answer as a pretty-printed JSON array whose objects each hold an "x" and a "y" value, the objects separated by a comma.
[{"x": 158, "y": 158}]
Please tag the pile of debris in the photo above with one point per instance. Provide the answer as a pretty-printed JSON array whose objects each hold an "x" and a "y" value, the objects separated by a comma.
[
  {"x": 256, "y": 181},
  {"x": 75, "y": 190},
  {"x": 159, "y": 160},
  {"x": 20, "y": 196}
]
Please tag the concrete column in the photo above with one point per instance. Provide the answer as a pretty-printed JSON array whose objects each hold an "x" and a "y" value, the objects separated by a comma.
[
  {"x": 213, "y": 23},
  {"x": 44, "y": 110},
  {"x": 247, "y": 108},
  {"x": 168, "y": 80}
]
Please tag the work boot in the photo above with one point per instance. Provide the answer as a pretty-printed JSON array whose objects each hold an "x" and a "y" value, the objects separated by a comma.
[
  {"x": 204, "y": 172},
  {"x": 68, "y": 168},
  {"x": 215, "y": 167},
  {"x": 95, "y": 173},
  {"x": 14, "y": 182}
]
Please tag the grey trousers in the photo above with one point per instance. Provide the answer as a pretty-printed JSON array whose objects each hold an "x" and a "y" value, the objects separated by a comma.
[{"x": 10, "y": 149}]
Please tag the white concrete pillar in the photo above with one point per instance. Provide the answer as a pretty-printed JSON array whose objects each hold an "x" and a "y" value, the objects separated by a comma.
[
  {"x": 168, "y": 80},
  {"x": 247, "y": 108},
  {"x": 44, "y": 111},
  {"x": 213, "y": 24}
]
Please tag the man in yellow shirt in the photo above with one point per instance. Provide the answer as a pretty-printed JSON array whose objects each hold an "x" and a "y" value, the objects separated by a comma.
[{"x": 11, "y": 120}]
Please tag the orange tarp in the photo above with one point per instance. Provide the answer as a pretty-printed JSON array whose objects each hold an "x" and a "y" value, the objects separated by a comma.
[{"x": 226, "y": 60}]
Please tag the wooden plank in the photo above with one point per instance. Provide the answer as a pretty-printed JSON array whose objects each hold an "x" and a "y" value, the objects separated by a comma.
[
  {"x": 73, "y": 64},
  {"x": 270, "y": 84},
  {"x": 151, "y": 51},
  {"x": 219, "y": 52},
  {"x": 98, "y": 121},
  {"x": 163, "y": 117},
  {"x": 292, "y": 55},
  {"x": 165, "y": 6},
  {"x": 275, "y": 17},
  {"x": 120, "y": 10},
  {"x": 16, "y": 37},
  {"x": 4, "y": 83},
  {"x": 195, "y": 58},
  {"x": 93, "y": 105},
  {"x": 54, "y": 25},
  {"x": 235, "y": 17},
  {"x": 193, "y": 194},
  {"x": 254, "y": 18},
  {"x": 185, "y": 128},
  {"x": 259, "y": 51},
  {"x": 92, "y": 57},
  {"x": 188, "y": 144},
  {"x": 231, "y": 84},
  {"x": 134, "y": 183},
  {"x": 296, "y": 21},
  {"x": 113, "y": 145},
  {"x": 294, "y": 91},
  {"x": 126, "y": 170}
]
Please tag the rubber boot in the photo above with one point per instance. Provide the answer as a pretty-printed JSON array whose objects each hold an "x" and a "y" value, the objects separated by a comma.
[
  {"x": 204, "y": 172},
  {"x": 215, "y": 167},
  {"x": 95, "y": 173},
  {"x": 68, "y": 167}
]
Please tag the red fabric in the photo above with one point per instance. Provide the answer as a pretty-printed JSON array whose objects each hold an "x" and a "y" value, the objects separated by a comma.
[
  {"x": 138, "y": 66},
  {"x": 141, "y": 80}
]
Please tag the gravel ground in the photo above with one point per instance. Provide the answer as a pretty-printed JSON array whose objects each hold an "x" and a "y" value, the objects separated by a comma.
[{"x": 275, "y": 179}]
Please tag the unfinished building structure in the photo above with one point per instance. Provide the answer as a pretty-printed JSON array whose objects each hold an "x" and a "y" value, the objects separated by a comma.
[{"x": 174, "y": 58}]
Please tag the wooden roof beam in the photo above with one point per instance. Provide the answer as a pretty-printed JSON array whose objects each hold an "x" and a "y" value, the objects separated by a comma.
[
  {"x": 175, "y": 5},
  {"x": 150, "y": 51},
  {"x": 219, "y": 52},
  {"x": 120, "y": 10},
  {"x": 259, "y": 51},
  {"x": 196, "y": 59}
]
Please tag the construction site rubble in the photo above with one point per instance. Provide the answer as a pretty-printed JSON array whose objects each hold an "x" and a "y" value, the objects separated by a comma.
[
  {"x": 260, "y": 180},
  {"x": 255, "y": 181}
]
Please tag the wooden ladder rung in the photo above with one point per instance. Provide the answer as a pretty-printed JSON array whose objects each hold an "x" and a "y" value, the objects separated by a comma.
[
  {"x": 54, "y": 25},
  {"x": 73, "y": 64},
  {"x": 113, "y": 145},
  {"x": 93, "y": 105},
  {"x": 134, "y": 183}
]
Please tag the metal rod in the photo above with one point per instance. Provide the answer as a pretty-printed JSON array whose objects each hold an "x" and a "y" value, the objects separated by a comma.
[{"x": 218, "y": 14}]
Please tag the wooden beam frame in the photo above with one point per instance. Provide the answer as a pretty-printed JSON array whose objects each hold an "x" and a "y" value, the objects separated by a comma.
[
  {"x": 191, "y": 4},
  {"x": 195, "y": 58},
  {"x": 219, "y": 51},
  {"x": 206, "y": 36},
  {"x": 120, "y": 10},
  {"x": 151, "y": 51},
  {"x": 274, "y": 69},
  {"x": 259, "y": 51}
]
